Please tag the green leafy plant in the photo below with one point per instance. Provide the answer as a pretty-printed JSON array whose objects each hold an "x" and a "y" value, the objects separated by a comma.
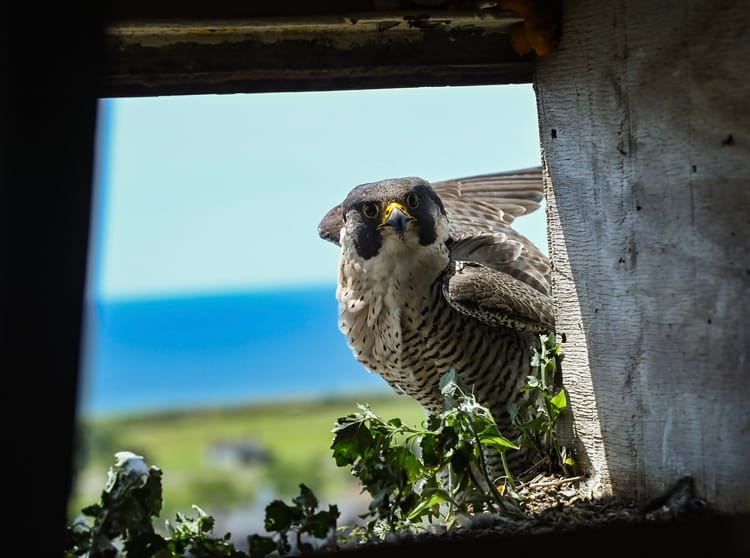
[
  {"x": 538, "y": 416},
  {"x": 418, "y": 475},
  {"x": 299, "y": 519},
  {"x": 121, "y": 523}
]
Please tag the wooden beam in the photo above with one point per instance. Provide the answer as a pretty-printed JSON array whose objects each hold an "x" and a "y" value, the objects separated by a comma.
[{"x": 343, "y": 51}]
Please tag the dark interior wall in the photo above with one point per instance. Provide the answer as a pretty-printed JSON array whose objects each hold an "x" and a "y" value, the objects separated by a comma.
[{"x": 48, "y": 91}]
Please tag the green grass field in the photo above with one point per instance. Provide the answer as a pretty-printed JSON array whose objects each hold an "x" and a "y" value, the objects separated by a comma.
[{"x": 295, "y": 435}]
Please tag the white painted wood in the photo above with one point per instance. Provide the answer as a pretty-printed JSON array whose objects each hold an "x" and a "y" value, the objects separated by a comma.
[{"x": 645, "y": 131}]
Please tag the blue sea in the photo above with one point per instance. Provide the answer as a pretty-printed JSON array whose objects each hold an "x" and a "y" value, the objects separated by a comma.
[{"x": 202, "y": 351}]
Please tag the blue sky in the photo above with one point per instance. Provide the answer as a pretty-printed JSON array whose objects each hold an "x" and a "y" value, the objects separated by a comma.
[{"x": 223, "y": 193}]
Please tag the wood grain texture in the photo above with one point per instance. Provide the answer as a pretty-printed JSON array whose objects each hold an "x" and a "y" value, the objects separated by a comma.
[{"x": 645, "y": 133}]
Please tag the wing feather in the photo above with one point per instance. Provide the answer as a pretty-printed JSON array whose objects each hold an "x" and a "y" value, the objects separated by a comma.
[
  {"x": 481, "y": 210},
  {"x": 497, "y": 299}
]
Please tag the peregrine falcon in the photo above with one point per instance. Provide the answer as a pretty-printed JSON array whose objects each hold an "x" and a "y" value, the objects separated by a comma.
[{"x": 432, "y": 276}]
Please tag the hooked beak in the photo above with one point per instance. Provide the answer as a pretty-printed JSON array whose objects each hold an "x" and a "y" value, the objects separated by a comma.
[{"x": 397, "y": 217}]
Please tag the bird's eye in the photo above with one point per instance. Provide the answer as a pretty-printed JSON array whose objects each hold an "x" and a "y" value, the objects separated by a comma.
[
  {"x": 412, "y": 200},
  {"x": 370, "y": 210}
]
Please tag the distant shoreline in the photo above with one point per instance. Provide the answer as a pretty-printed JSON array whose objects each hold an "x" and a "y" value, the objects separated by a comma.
[
  {"x": 184, "y": 352},
  {"x": 278, "y": 405}
]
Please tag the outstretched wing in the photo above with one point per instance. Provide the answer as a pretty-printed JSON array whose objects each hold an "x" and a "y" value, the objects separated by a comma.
[
  {"x": 481, "y": 211},
  {"x": 498, "y": 276}
]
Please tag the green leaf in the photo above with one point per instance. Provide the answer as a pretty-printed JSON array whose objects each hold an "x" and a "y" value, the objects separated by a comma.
[
  {"x": 408, "y": 463},
  {"x": 345, "y": 422},
  {"x": 261, "y": 546},
  {"x": 146, "y": 544},
  {"x": 448, "y": 438},
  {"x": 320, "y": 523},
  {"x": 500, "y": 443},
  {"x": 461, "y": 457},
  {"x": 536, "y": 423},
  {"x": 451, "y": 387},
  {"x": 430, "y": 450},
  {"x": 395, "y": 422},
  {"x": 513, "y": 410},
  {"x": 435, "y": 498},
  {"x": 280, "y": 516},
  {"x": 559, "y": 402},
  {"x": 350, "y": 443},
  {"x": 306, "y": 499}
]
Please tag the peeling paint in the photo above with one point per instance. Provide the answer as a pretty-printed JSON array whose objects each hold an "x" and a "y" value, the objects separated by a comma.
[{"x": 271, "y": 30}]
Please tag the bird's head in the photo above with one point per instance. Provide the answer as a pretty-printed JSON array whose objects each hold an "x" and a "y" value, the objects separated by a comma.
[{"x": 398, "y": 213}]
